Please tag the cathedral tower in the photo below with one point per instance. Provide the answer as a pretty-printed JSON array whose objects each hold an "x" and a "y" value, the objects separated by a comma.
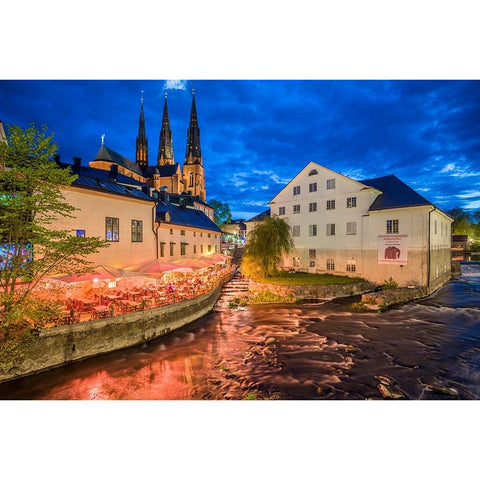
[
  {"x": 165, "y": 147},
  {"x": 141, "y": 157},
  {"x": 193, "y": 172}
]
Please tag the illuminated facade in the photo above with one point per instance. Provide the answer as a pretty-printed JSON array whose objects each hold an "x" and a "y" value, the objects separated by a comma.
[{"x": 375, "y": 229}]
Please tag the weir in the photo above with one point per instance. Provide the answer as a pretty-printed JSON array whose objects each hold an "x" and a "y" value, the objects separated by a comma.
[{"x": 470, "y": 269}]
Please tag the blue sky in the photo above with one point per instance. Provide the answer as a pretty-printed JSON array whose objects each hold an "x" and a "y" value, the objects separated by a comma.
[{"x": 256, "y": 135}]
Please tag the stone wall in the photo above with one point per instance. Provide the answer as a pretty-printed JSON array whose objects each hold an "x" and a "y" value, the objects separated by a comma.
[
  {"x": 387, "y": 298},
  {"x": 61, "y": 345},
  {"x": 313, "y": 291}
]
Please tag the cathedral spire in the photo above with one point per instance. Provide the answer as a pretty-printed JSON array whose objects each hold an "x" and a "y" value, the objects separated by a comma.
[
  {"x": 194, "y": 152},
  {"x": 165, "y": 147},
  {"x": 141, "y": 157}
]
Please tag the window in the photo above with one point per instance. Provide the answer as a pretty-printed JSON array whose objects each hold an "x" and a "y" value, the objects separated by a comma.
[
  {"x": 330, "y": 229},
  {"x": 183, "y": 248},
  {"x": 392, "y": 226},
  {"x": 312, "y": 253},
  {"x": 351, "y": 202},
  {"x": 312, "y": 207},
  {"x": 351, "y": 228},
  {"x": 351, "y": 265},
  {"x": 312, "y": 264},
  {"x": 209, "y": 248},
  {"x": 331, "y": 184},
  {"x": 330, "y": 204},
  {"x": 435, "y": 227},
  {"x": 190, "y": 183},
  {"x": 312, "y": 230},
  {"x": 296, "y": 230},
  {"x": 312, "y": 187},
  {"x": 296, "y": 209},
  {"x": 111, "y": 229},
  {"x": 172, "y": 244},
  {"x": 296, "y": 190},
  {"x": 201, "y": 248},
  {"x": 312, "y": 172},
  {"x": 182, "y": 232},
  {"x": 137, "y": 231},
  {"x": 80, "y": 233},
  {"x": 216, "y": 249},
  {"x": 194, "y": 234},
  {"x": 281, "y": 211},
  {"x": 194, "y": 249},
  {"x": 330, "y": 264},
  {"x": 171, "y": 231},
  {"x": 209, "y": 235},
  {"x": 441, "y": 228},
  {"x": 201, "y": 234},
  {"x": 162, "y": 249}
]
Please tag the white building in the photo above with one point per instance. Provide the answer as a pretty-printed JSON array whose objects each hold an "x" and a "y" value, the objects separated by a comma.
[{"x": 375, "y": 229}]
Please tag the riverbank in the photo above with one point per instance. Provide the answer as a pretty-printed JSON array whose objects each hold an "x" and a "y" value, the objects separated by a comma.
[
  {"x": 292, "y": 293},
  {"x": 69, "y": 343}
]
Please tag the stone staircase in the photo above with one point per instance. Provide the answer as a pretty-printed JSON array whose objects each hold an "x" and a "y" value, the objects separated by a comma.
[{"x": 236, "y": 287}]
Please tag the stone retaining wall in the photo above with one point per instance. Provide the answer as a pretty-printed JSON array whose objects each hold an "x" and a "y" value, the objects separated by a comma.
[
  {"x": 61, "y": 345},
  {"x": 325, "y": 292},
  {"x": 387, "y": 298}
]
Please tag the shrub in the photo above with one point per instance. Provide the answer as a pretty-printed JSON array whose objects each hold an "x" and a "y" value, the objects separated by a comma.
[{"x": 390, "y": 284}]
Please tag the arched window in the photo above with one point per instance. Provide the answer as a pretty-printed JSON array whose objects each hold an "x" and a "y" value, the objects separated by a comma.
[
  {"x": 313, "y": 172},
  {"x": 191, "y": 180}
]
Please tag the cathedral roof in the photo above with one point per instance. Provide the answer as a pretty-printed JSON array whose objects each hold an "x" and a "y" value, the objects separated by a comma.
[
  {"x": 163, "y": 170},
  {"x": 108, "y": 155}
]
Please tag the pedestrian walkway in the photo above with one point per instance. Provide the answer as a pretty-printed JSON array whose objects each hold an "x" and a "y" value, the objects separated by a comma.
[{"x": 236, "y": 287}]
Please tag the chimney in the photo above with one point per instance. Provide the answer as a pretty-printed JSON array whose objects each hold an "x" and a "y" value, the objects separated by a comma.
[
  {"x": 146, "y": 190},
  {"x": 114, "y": 172},
  {"x": 162, "y": 195},
  {"x": 57, "y": 159},
  {"x": 77, "y": 162}
]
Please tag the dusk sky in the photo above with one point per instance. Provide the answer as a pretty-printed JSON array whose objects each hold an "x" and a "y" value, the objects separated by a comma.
[{"x": 257, "y": 135}]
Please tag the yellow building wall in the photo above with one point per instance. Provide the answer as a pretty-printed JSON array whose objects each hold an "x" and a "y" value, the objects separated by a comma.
[
  {"x": 93, "y": 208},
  {"x": 199, "y": 242}
]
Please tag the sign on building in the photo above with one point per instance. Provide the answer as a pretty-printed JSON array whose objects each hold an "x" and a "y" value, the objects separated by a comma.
[{"x": 392, "y": 249}]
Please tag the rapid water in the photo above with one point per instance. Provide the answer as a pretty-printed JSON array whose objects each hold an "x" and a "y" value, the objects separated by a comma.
[{"x": 424, "y": 350}]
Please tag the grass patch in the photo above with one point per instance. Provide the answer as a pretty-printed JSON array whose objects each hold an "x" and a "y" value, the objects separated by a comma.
[
  {"x": 301, "y": 278},
  {"x": 269, "y": 297}
]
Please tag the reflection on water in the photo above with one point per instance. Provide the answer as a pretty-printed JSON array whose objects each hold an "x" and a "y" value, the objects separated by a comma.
[{"x": 425, "y": 350}]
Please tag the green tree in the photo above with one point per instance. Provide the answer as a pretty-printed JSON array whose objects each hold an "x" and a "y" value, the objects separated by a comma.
[
  {"x": 462, "y": 222},
  {"x": 222, "y": 213},
  {"x": 267, "y": 243},
  {"x": 31, "y": 200}
]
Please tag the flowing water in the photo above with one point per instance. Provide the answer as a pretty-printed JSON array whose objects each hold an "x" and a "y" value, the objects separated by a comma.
[{"x": 424, "y": 350}]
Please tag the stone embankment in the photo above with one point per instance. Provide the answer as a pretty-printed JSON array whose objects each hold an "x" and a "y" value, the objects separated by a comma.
[
  {"x": 378, "y": 301},
  {"x": 69, "y": 343},
  {"x": 307, "y": 292}
]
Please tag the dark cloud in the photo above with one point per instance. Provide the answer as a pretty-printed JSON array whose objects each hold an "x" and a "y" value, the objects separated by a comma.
[{"x": 256, "y": 135}]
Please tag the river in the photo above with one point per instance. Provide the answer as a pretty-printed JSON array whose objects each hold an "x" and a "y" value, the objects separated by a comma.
[{"x": 424, "y": 350}]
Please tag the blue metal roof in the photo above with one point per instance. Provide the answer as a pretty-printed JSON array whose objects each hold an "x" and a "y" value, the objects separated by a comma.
[
  {"x": 185, "y": 216},
  {"x": 97, "y": 179},
  {"x": 395, "y": 193}
]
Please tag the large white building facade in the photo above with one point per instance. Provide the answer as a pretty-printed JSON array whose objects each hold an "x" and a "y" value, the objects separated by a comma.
[{"x": 376, "y": 229}]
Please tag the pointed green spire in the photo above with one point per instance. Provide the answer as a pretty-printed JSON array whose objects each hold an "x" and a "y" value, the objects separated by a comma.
[
  {"x": 165, "y": 146},
  {"x": 193, "y": 153},
  {"x": 141, "y": 157}
]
